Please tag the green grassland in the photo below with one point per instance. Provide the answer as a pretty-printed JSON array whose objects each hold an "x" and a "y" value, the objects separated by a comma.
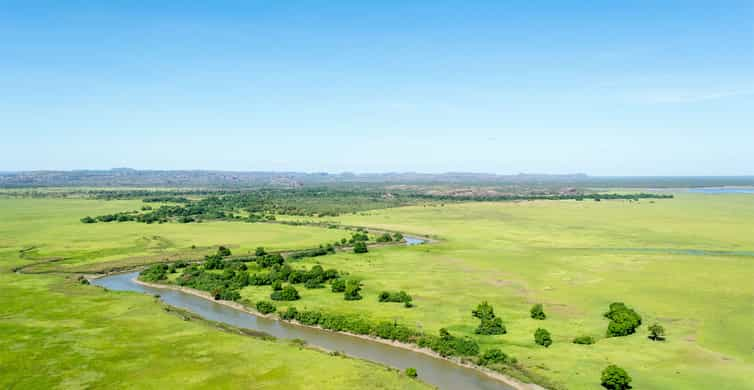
[
  {"x": 57, "y": 333},
  {"x": 575, "y": 258}
]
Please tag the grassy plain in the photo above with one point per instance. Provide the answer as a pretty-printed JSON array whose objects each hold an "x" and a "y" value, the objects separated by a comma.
[
  {"x": 57, "y": 333},
  {"x": 575, "y": 258}
]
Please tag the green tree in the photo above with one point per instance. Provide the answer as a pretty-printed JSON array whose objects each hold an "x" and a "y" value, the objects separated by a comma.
[
  {"x": 351, "y": 293},
  {"x": 587, "y": 340},
  {"x": 615, "y": 378},
  {"x": 338, "y": 285},
  {"x": 542, "y": 337},
  {"x": 260, "y": 251},
  {"x": 656, "y": 332},
  {"x": 288, "y": 293},
  {"x": 223, "y": 251},
  {"x": 411, "y": 372},
  {"x": 484, "y": 311},
  {"x": 266, "y": 307},
  {"x": 360, "y": 247},
  {"x": 537, "y": 312}
]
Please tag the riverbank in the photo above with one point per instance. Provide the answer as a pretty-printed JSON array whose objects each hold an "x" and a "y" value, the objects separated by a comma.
[{"x": 509, "y": 381}]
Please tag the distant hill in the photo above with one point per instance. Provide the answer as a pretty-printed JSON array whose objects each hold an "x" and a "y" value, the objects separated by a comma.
[{"x": 127, "y": 177}]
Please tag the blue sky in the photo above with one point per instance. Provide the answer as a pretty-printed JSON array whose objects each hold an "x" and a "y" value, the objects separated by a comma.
[{"x": 638, "y": 88}]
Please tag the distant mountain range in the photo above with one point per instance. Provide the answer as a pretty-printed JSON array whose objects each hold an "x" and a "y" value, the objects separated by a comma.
[{"x": 125, "y": 177}]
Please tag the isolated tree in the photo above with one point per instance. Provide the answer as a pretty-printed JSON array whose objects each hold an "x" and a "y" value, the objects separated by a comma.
[
  {"x": 537, "y": 312},
  {"x": 266, "y": 307},
  {"x": 288, "y": 293},
  {"x": 484, "y": 311},
  {"x": 411, "y": 372},
  {"x": 542, "y": 337},
  {"x": 615, "y": 378},
  {"x": 260, "y": 251},
  {"x": 656, "y": 332}
]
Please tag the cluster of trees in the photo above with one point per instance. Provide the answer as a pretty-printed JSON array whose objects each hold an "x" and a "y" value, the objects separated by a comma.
[
  {"x": 448, "y": 345},
  {"x": 623, "y": 320},
  {"x": 323, "y": 250},
  {"x": 489, "y": 323},
  {"x": 400, "y": 297},
  {"x": 154, "y": 273},
  {"x": 387, "y": 237}
]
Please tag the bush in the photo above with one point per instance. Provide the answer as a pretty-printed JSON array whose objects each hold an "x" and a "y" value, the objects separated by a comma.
[
  {"x": 495, "y": 356},
  {"x": 411, "y": 372},
  {"x": 656, "y": 332},
  {"x": 615, "y": 378},
  {"x": 88, "y": 219},
  {"x": 542, "y": 337},
  {"x": 289, "y": 314},
  {"x": 586, "y": 340},
  {"x": 277, "y": 285},
  {"x": 484, "y": 311},
  {"x": 266, "y": 307},
  {"x": 314, "y": 283},
  {"x": 537, "y": 312},
  {"x": 449, "y": 345},
  {"x": 260, "y": 251},
  {"x": 360, "y": 247},
  {"x": 338, "y": 285},
  {"x": 351, "y": 293},
  {"x": 226, "y": 294},
  {"x": 490, "y": 327},
  {"x": 223, "y": 251},
  {"x": 400, "y": 296},
  {"x": 623, "y": 320},
  {"x": 213, "y": 262},
  {"x": 288, "y": 293}
]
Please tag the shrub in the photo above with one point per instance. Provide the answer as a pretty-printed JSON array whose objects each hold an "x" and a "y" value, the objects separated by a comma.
[
  {"x": 542, "y": 337},
  {"x": 411, "y": 372},
  {"x": 260, "y": 251},
  {"x": 615, "y": 378},
  {"x": 656, "y": 332},
  {"x": 484, "y": 311},
  {"x": 289, "y": 314},
  {"x": 491, "y": 326},
  {"x": 309, "y": 317},
  {"x": 338, "y": 285},
  {"x": 266, "y": 307},
  {"x": 88, "y": 219},
  {"x": 277, "y": 285},
  {"x": 351, "y": 293},
  {"x": 623, "y": 320},
  {"x": 495, "y": 356},
  {"x": 587, "y": 340},
  {"x": 449, "y": 345},
  {"x": 223, "y": 251},
  {"x": 313, "y": 283},
  {"x": 226, "y": 294},
  {"x": 213, "y": 262},
  {"x": 360, "y": 247},
  {"x": 288, "y": 293},
  {"x": 400, "y": 296},
  {"x": 537, "y": 312}
]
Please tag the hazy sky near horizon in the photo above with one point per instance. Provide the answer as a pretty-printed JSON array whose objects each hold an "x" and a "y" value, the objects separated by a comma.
[{"x": 638, "y": 88}]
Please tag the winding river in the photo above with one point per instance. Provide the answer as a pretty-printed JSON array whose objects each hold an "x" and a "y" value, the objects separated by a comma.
[{"x": 432, "y": 370}]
